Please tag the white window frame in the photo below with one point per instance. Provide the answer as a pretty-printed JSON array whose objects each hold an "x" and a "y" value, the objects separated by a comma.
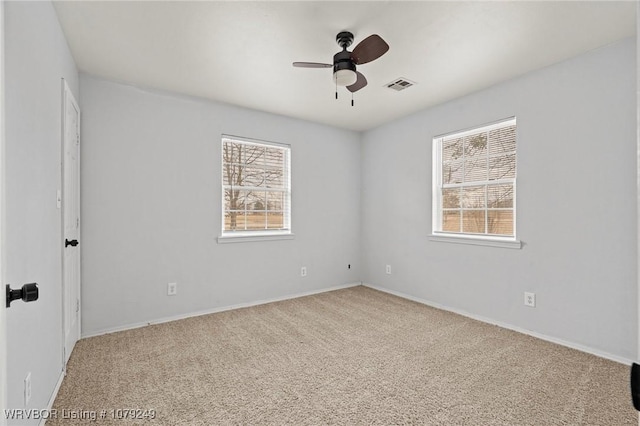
[
  {"x": 228, "y": 236},
  {"x": 465, "y": 238}
]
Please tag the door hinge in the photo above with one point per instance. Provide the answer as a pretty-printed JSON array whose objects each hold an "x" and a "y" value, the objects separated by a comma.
[
  {"x": 77, "y": 139},
  {"x": 77, "y": 305}
]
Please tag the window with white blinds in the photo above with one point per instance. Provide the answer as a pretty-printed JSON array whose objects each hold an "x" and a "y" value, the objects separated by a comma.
[
  {"x": 256, "y": 187},
  {"x": 475, "y": 182}
]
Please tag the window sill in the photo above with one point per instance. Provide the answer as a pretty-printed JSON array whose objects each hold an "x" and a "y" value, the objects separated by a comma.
[
  {"x": 476, "y": 240},
  {"x": 254, "y": 237}
]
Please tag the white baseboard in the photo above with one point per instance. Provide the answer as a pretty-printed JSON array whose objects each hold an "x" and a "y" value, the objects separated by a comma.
[
  {"x": 53, "y": 397},
  {"x": 541, "y": 336},
  {"x": 216, "y": 310}
]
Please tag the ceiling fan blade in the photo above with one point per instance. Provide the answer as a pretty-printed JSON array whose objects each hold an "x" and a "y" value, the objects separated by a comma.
[
  {"x": 311, "y": 65},
  {"x": 369, "y": 49},
  {"x": 359, "y": 84}
]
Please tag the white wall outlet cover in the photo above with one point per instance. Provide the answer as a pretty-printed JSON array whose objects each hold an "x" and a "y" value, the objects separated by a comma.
[
  {"x": 303, "y": 271},
  {"x": 172, "y": 289},
  {"x": 529, "y": 299}
]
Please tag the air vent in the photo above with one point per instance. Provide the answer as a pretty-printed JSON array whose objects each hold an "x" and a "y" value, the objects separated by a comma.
[{"x": 400, "y": 84}]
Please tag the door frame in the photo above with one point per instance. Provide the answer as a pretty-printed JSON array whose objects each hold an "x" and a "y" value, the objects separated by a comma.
[{"x": 67, "y": 96}]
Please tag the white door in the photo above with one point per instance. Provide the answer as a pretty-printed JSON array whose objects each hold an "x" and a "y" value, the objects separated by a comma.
[
  {"x": 3, "y": 318},
  {"x": 70, "y": 221}
]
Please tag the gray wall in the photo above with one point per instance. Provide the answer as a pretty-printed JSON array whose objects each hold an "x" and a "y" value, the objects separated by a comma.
[
  {"x": 151, "y": 187},
  {"x": 37, "y": 57},
  {"x": 576, "y": 193}
]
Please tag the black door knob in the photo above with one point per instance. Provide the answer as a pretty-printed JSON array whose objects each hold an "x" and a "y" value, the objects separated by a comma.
[
  {"x": 28, "y": 293},
  {"x": 71, "y": 243}
]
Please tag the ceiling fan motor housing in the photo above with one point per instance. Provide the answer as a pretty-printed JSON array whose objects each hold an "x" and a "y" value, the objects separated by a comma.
[{"x": 342, "y": 61}]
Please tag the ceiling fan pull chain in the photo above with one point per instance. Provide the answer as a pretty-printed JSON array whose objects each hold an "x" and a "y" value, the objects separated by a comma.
[
  {"x": 351, "y": 98},
  {"x": 336, "y": 90}
]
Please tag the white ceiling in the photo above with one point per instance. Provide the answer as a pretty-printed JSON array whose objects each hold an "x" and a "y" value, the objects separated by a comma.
[{"x": 241, "y": 52}]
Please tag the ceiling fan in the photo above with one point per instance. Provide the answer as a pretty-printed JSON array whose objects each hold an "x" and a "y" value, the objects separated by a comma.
[{"x": 344, "y": 62}]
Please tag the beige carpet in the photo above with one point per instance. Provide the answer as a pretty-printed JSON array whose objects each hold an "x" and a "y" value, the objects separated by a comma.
[{"x": 353, "y": 356}]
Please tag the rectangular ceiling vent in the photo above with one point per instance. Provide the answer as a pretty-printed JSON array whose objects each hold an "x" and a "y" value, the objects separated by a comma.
[{"x": 400, "y": 84}]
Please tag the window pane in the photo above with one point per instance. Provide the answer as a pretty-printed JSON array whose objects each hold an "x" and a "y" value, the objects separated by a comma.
[
  {"x": 254, "y": 155},
  {"x": 274, "y": 158},
  {"x": 451, "y": 198},
  {"x": 452, "y": 150},
  {"x": 475, "y": 169},
  {"x": 452, "y": 172},
  {"x": 275, "y": 201},
  {"x": 234, "y": 199},
  {"x": 274, "y": 178},
  {"x": 256, "y": 221},
  {"x": 231, "y": 174},
  {"x": 231, "y": 152},
  {"x": 451, "y": 220},
  {"x": 253, "y": 176},
  {"x": 500, "y": 222},
  {"x": 473, "y": 221},
  {"x": 500, "y": 196},
  {"x": 502, "y": 167},
  {"x": 234, "y": 221},
  {"x": 475, "y": 146},
  {"x": 275, "y": 220},
  {"x": 256, "y": 200},
  {"x": 502, "y": 140},
  {"x": 473, "y": 197}
]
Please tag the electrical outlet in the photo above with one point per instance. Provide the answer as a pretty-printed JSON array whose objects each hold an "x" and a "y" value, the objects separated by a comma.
[
  {"x": 530, "y": 299},
  {"x": 27, "y": 389},
  {"x": 172, "y": 289},
  {"x": 388, "y": 270},
  {"x": 303, "y": 271}
]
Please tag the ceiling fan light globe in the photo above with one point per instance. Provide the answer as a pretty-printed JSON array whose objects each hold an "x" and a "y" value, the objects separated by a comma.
[{"x": 345, "y": 77}]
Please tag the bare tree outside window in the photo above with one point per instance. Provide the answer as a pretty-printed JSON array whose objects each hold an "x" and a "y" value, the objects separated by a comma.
[
  {"x": 256, "y": 189},
  {"x": 477, "y": 181}
]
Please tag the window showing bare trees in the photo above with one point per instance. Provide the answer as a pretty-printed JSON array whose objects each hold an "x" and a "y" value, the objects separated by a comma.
[
  {"x": 256, "y": 186},
  {"x": 475, "y": 181}
]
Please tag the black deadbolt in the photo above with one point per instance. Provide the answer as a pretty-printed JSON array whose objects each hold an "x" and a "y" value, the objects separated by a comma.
[
  {"x": 71, "y": 243},
  {"x": 28, "y": 293}
]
